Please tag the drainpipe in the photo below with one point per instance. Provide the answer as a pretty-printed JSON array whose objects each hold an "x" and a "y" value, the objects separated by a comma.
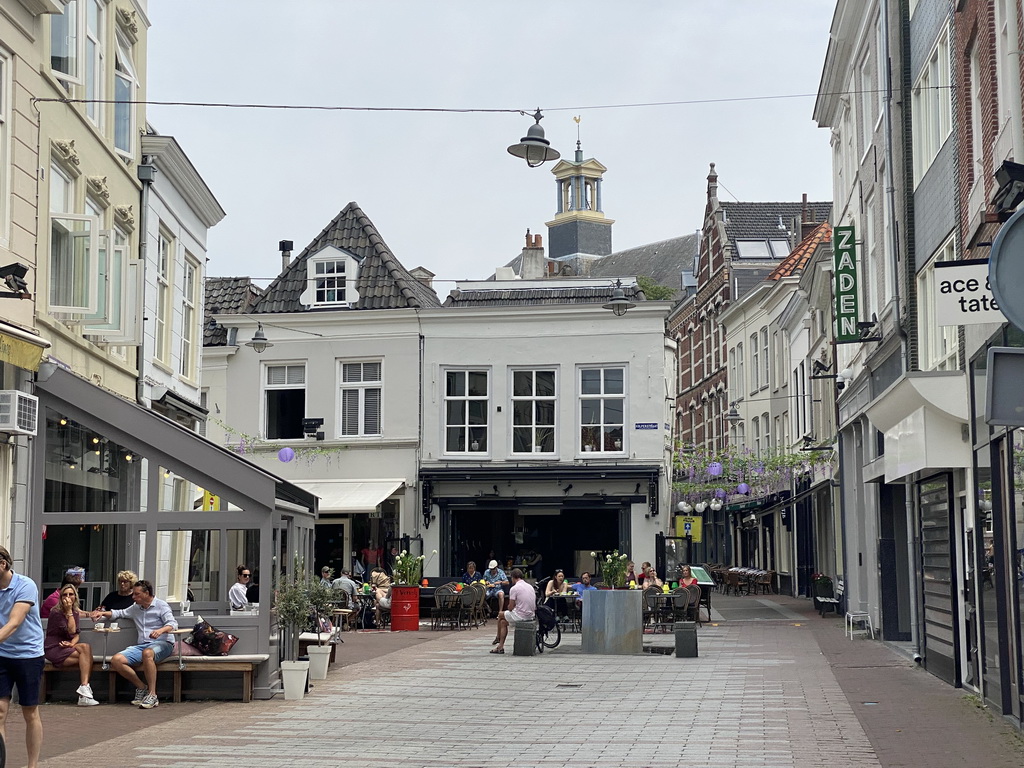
[{"x": 146, "y": 173}]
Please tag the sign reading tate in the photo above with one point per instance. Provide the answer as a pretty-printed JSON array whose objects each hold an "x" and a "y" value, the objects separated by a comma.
[{"x": 963, "y": 294}]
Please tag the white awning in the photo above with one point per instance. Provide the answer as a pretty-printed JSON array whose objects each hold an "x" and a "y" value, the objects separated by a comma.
[{"x": 346, "y": 496}]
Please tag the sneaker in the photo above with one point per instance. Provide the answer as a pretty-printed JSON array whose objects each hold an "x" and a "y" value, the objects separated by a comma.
[
  {"x": 87, "y": 701},
  {"x": 85, "y": 691},
  {"x": 140, "y": 695},
  {"x": 150, "y": 701}
]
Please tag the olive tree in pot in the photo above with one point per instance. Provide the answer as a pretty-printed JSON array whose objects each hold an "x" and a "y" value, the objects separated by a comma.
[
  {"x": 293, "y": 606},
  {"x": 322, "y": 601}
]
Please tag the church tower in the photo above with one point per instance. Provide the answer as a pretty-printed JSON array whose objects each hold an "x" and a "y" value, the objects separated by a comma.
[{"x": 579, "y": 231}]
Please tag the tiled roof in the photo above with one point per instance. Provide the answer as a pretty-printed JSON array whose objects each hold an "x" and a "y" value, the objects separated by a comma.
[
  {"x": 558, "y": 293},
  {"x": 663, "y": 261},
  {"x": 796, "y": 261},
  {"x": 226, "y": 295},
  {"x": 383, "y": 282},
  {"x": 760, "y": 221}
]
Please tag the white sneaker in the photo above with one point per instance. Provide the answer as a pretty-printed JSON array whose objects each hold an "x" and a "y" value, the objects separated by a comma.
[
  {"x": 85, "y": 691},
  {"x": 140, "y": 694},
  {"x": 87, "y": 701},
  {"x": 149, "y": 702}
]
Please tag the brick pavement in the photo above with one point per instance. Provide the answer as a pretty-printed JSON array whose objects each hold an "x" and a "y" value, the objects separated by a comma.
[{"x": 781, "y": 687}]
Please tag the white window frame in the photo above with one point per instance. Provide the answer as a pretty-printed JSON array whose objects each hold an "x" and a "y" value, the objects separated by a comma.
[
  {"x": 166, "y": 251},
  {"x": 190, "y": 282},
  {"x": 766, "y": 431},
  {"x": 533, "y": 428},
  {"x": 931, "y": 101},
  {"x": 319, "y": 282},
  {"x": 94, "y": 54},
  {"x": 940, "y": 344},
  {"x": 295, "y": 378},
  {"x": 118, "y": 320},
  {"x": 868, "y": 101},
  {"x": 755, "y": 370},
  {"x": 470, "y": 431},
  {"x": 362, "y": 389},
  {"x": 5, "y": 145},
  {"x": 765, "y": 359},
  {"x": 603, "y": 396},
  {"x": 739, "y": 388},
  {"x": 72, "y": 23},
  {"x": 125, "y": 72}
]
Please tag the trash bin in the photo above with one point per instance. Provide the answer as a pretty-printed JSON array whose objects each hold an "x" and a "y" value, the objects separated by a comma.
[
  {"x": 686, "y": 639},
  {"x": 405, "y": 609}
]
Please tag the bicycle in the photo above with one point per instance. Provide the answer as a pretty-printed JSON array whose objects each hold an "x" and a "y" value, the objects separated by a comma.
[{"x": 549, "y": 634}]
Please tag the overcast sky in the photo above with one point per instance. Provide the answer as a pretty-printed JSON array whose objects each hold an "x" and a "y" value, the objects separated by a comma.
[{"x": 441, "y": 188}]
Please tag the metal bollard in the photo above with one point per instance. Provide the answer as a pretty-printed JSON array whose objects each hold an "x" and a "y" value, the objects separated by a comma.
[{"x": 686, "y": 639}]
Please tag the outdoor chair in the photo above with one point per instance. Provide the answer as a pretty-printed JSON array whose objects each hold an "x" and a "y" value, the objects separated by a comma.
[
  {"x": 765, "y": 583},
  {"x": 652, "y": 607},
  {"x": 467, "y": 603},
  {"x": 442, "y": 611},
  {"x": 734, "y": 583},
  {"x": 679, "y": 607},
  {"x": 694, "y": 607}
]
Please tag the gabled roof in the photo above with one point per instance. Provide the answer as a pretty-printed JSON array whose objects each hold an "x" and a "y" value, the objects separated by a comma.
[
  {"x": 230, "y": 296},
  {"x": 760, "y": 221},
  {"x": 662, "y": 261},
  {"x": 383, "y": 282},
  {"x": 560, "y": 292},
  {"x": 796, "y": 261}
]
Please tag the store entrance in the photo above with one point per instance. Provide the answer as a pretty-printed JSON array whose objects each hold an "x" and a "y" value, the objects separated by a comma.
[{"x": 563, "y": 539}]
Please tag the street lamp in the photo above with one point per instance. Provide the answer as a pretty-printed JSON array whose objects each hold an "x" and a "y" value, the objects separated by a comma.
[
  {"x": 619, "y": 304},
  {"x": 533, "y": 147},
  {"x": 259, "y": 340}
]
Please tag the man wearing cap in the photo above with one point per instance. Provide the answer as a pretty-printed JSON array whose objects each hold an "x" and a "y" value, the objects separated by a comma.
[
  {"x": 21, "y": 652},
  {"x": 325, "y": 576},
  {"x": 497, "y": 583}
]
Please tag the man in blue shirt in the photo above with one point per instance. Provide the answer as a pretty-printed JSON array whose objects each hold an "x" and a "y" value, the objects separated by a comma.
[
  {"x": 497, "y": 583},
  {"x": 21, "y": 652},
  {"x": 155, "y": 622},
  {"x": 582, "y": 586}
]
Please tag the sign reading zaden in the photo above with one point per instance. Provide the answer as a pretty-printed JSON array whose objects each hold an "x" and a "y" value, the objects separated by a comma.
[{"x": 844, "y": 270}]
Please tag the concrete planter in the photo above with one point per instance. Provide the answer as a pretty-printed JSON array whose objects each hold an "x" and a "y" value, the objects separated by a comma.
[
  {"x": 294, "y": 673},
  {"x": 613, "y": 621},
  {"x": 319, "y": 661}
]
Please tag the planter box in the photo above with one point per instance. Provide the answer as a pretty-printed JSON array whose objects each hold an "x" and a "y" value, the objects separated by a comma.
[
  {"x": 293, "y": 673},
  {"x": 405, "y": 608},
  {"x": 613, "y": 621},
  {"x": 319, "y": 660}
]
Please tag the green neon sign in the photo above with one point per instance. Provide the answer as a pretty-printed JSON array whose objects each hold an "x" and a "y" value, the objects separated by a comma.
[{"x": 844, "y": 270}]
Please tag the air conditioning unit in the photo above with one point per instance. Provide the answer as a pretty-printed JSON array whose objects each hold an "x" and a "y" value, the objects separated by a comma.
[{"x": 18, "y": 412}]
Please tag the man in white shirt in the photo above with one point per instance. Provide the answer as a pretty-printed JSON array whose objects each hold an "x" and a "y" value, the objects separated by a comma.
[
  {"x": 236, "y": 595},
  {"x": 522, "y": 607}
]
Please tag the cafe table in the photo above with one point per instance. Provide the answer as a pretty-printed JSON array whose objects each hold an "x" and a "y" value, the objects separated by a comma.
[{"x": 106, "y": 631}]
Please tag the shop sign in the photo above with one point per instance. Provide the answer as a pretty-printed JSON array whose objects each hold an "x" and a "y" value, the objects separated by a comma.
[
  {"x": 963, "y": 295},
  {"x": 844, "y": 270},
  {"x": 689, "y": 526},
  {"x": 20, "y": 353}
]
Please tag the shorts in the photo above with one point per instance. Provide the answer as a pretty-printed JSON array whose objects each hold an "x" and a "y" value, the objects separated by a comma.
[
  {"x": 494, "y": 592},
  {"x": 161, "y": 650},
  {"x": 26, "y": 675},
  {"x": 514, "y": 618}
]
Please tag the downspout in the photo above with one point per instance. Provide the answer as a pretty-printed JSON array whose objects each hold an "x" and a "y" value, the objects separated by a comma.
[
  {"x": 146, "y": 172},
  {"x": 913, "y": 543}
]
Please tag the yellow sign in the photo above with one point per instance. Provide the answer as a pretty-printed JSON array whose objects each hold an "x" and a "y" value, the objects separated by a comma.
[
  {"x": 211, "y": 501},
  {"x": 23, "y": 354},
  {"x": 689, "y": 526}
]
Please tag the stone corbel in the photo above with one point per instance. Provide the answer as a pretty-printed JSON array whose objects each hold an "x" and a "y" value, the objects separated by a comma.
[
  {"x": 98, "y": 187},
  {"x": 128, "y": 23},
  {"x": 68, "y": 155},
  {"x": 124, "y": 216}
]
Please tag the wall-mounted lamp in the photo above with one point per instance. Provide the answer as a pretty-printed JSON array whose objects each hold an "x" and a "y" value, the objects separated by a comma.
[
  {"x": 259, "y": 340},
  {"x": 733, "y": 415},
  {"x": 14, "y": 278},
  {"x": 619, "y": 304},
  {"x": 533, "y": 147}
]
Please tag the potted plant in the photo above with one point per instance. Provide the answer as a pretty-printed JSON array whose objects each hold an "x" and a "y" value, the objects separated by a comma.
[
  {"x": 293, "y": 606},
  {"x": 321, "y": 604},
  {"x": 613, "y": 569},
  {"x": 406, "y": 572}
]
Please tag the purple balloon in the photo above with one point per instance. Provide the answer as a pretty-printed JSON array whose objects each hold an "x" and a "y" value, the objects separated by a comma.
[
  {"x": 715, "y": 468},
  {"x": 743, "y": 488},
  {"x": 286, "y": 454},
  {"x": 720, "y": 493}
]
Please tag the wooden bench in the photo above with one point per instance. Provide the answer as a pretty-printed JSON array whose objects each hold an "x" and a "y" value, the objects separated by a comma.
[
  {"x": 244, "y": 663},
  {"x": 827, "y": 600}
]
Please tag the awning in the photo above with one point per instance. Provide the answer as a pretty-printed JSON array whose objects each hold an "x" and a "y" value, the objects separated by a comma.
[
  {"x": 21, "y": 348},
  {"x": 345, "y": 496},
  {"x": 924, "y": 419}
]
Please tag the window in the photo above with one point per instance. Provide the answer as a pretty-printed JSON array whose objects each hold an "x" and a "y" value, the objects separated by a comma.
[
  {"x": 331, "y": 279},
  {"x": 974, "y": 104},
  {"x": 73, "y": 246},
  {"x": 466, "y": 398},
  {"x": 733, "y": 381},
  {"x": 285, "y": 393},
  {"x": 766, "y": 432},
  {"x": 94, "y": 59},
  {"x": 189, "y": 316},
  {"x": 118, "y": 315},
  {"x": 602, "y": 409},
  {"x": 938, "y": 342},
  {"x": 738, "y": 385},
  {"x": 764, "y": 357},
  {"x": 66, "y": 43},
  {"x": 931, "y": 107},
  {"x": 164, "y": 260},
  {"x": 868, "y": 100},
  {"x": 360, "y": 399},
  {"x": 755, "y": 424},
  {"x": 755, "y": 370},
  {"x": 5, "y": 117},
  {"x": 533, "y": 411},
  {"x": 125, "y": 87},
  {"x": 870, "y": 260},
  {"x": 769, "y": 250}
]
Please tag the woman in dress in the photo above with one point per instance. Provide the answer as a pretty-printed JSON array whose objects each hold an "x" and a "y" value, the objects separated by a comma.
[
  {"x": 61, "y": 647},
  {"x": 121, "y": 598},
  {"x": 686, "y": 577}
]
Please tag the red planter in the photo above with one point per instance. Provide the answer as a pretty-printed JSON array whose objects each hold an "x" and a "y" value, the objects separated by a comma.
[{"x": 405, "y": 609}]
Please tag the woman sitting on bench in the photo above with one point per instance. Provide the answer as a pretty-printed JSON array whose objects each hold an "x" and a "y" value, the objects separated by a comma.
[{"x": 62, "y": 649}]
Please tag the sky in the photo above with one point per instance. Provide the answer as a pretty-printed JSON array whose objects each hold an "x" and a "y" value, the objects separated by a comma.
[{"x": 440, "y": 186}]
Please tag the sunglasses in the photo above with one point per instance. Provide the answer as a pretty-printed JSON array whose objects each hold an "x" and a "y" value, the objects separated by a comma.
[{"x": 247, "y": 575}]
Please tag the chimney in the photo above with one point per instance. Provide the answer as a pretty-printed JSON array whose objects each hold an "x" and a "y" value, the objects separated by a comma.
[
  {"x": 807, "y": 222},
  {"x": 285, "y": 247},
  {"x": 532, "y": 266},
  {"x": 424, "y": 275}
]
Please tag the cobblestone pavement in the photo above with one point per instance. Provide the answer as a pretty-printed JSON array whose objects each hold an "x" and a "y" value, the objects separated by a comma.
[{"x": 780, "y": 687}]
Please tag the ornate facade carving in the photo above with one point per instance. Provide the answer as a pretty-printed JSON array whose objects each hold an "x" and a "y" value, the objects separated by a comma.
[
  {"x": 124, "y": 215},
  {"x": 98, "y": 187},
  {"x": 67, "y": 154},
  {"x": 128, "y": 23}
]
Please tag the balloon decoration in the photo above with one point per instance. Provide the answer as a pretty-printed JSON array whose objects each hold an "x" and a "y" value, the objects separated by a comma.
[
  {"x": 743, "y": 488},
  {"x": 720, "y": 493},
  {"x": 715, "y": 468},
  {"x": 286, "y": 454}
]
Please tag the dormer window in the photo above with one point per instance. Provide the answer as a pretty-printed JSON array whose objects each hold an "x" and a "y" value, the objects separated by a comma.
[{"x": 331, "y": 279}]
